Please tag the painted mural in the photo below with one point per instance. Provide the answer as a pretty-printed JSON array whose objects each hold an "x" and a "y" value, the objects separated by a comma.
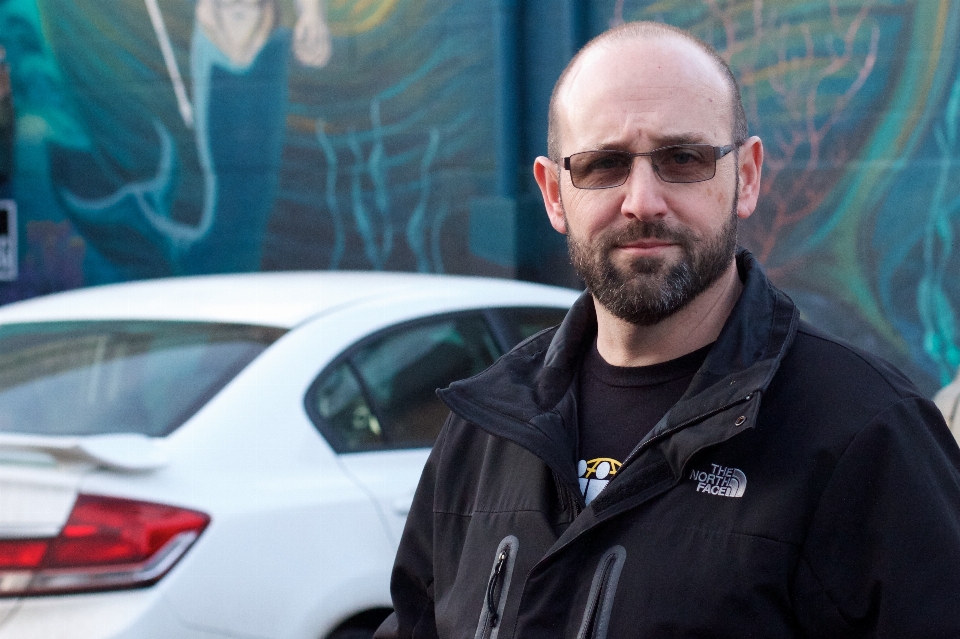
[{"x": 161, "y": 137}]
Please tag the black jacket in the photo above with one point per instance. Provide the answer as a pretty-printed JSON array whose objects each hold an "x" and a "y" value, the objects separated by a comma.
[{"x": 800, "y": 488}]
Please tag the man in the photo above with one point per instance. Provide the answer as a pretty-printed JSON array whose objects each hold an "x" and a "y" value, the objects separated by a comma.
[{"x": 740, "y": 473}]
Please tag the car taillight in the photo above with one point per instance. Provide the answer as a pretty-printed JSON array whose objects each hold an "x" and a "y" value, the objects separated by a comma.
[{"x": 107, "y": 543}]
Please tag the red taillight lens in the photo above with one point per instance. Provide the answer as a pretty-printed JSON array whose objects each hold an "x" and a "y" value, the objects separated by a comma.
[
  {"x": 103, "y": 531},
  {"x": 20, "y": 554},
  {"x": 107, "y": 543}
]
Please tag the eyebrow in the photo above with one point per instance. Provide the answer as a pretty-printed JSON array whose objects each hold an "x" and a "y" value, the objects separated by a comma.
[{"x": 680, "y": 138}]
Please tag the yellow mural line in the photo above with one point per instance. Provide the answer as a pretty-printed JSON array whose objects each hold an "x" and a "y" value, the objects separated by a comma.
[
  {"x": 360, "y": 6},
  {"x": 352, "y": 17},
  {"x": 781, "y": 68}
]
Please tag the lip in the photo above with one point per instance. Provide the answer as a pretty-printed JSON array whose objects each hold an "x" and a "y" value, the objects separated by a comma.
[{"x": 646, "y": 246}]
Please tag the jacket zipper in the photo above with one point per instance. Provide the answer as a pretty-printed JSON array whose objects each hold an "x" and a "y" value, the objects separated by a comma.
[
  {"x": 497, "y": 585},
  {"x": 495, "y": 588},
  {"x": 599, "y": 606}
]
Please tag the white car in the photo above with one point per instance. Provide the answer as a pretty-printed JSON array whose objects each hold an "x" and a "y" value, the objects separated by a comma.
[{"x": 228, "y": 456}]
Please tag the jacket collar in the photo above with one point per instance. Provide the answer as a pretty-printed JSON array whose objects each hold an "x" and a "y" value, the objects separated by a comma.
[
  {"x": 750, "y": 347},
  {"x": 527, "y": 396}
]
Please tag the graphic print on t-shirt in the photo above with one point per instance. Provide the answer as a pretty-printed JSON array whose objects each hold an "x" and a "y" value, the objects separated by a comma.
[{"x": 595, "y": 475}]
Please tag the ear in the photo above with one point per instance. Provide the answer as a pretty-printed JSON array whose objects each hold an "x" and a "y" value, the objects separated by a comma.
[
  {"x": 751, "y": 163},
  {"x": 546, "y": 174}
]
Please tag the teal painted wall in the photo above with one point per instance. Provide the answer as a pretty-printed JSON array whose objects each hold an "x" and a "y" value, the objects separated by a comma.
[{"x": 162, "y": 137}]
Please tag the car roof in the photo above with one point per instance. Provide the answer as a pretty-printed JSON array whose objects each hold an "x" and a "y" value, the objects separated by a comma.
[{"x": 281, "y": 299}]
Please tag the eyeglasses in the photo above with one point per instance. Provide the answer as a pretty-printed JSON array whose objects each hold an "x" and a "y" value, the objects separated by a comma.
[{"x": 677, "y": 164}]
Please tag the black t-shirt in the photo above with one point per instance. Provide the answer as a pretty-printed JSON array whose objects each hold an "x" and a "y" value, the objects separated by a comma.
[{"x": 619, "y": 405}]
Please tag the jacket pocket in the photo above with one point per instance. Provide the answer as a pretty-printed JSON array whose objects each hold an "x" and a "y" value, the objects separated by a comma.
[
  {"x": 596, "y": 616},
  {"x": 497, "y": 586}
]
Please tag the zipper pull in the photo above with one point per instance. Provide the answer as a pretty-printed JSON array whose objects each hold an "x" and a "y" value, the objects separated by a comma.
[{"x": 492, "y": 588}]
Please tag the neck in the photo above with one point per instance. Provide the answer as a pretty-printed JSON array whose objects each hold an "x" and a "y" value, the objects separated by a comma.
[{"x": 692, "y": 327}]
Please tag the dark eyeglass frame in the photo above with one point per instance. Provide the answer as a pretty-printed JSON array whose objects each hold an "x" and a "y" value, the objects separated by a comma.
[{"x": 718, "y": 152}]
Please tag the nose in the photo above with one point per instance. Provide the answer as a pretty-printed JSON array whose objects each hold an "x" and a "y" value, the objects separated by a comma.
[{"x": 643, "y": 192}]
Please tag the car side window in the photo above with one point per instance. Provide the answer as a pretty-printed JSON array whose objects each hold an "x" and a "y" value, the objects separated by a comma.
[
  {"x": 339, "y": 400},
  {"x": 383, "y": 395}
]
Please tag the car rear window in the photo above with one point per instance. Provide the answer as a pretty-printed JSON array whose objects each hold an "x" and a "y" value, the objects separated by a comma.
[
  {"x": 97, "y": 377},
  {"x": 530, "y": 321}
]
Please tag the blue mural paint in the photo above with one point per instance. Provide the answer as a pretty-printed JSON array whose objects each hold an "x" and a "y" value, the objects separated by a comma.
[
  {"x": 416, "y": 226},
  {"x": 374, "y": 252},
  {"x": 330, "y": 197},
  {"x": 936, "y": 312}
]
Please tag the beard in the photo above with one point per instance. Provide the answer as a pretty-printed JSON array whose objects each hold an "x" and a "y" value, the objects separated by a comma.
[{"x": 650, "y": 289}]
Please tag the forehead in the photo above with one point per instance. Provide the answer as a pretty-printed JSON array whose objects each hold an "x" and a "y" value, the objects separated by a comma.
[{"x": 634, "y": 93}]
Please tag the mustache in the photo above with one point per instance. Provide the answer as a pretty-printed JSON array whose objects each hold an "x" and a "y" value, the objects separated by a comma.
[{"x": 641, "y": 230}]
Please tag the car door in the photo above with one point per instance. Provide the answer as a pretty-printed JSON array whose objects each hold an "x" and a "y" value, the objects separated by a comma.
[{"x": 377, "y": 405}]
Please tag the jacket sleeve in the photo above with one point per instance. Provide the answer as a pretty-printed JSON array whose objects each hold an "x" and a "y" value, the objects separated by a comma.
[
  {"x": 411, "y": 583},
  {"x": 882, "y": 556}
]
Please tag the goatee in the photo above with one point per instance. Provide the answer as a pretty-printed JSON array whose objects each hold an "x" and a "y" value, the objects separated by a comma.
[{"x": 648, "y": 290}]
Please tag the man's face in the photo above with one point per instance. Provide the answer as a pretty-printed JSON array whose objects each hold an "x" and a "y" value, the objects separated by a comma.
[{"x": 645, "y": 249}]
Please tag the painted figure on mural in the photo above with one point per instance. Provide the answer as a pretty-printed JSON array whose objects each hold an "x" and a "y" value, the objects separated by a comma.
[
  {"x": 239, "y": 61},
  {"x": 177, "y": 166}
]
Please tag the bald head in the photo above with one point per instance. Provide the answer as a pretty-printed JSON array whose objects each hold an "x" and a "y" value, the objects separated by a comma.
[{"x": 633, "y": 32}]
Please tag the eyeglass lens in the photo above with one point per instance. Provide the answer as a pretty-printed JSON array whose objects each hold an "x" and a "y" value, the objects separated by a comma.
[{"x": 679, "y": 164}]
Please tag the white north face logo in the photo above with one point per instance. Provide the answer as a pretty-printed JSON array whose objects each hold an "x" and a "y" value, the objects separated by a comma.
[{"x": 720, "y": 480}]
